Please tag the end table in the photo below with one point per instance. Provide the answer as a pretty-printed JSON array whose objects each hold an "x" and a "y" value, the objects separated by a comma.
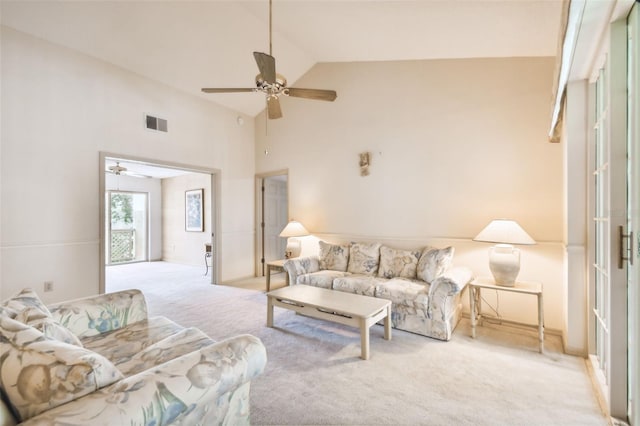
[
  {"x": 522, "y": 287},
  {"x": 277, "y": 265}
]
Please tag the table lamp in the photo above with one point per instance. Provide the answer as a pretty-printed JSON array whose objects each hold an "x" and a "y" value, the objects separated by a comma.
[
  {"x": 504, "y": 258},
  {"x": 292, "y": 230}
]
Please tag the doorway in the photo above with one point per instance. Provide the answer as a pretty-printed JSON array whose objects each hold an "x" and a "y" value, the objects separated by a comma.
[
  {"x": 272, "y": 207},
  {"x": 128, "y": 183}
]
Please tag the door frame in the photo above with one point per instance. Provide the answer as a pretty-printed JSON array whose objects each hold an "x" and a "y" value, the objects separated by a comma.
[
  {"x": 258, "y": 252},
  {"x": 214, "y": 219}
]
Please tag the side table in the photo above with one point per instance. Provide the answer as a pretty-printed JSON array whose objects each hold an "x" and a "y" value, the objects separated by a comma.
[
  {"x": 277, "y": 265},
  {"x": 522, "y": 287}
]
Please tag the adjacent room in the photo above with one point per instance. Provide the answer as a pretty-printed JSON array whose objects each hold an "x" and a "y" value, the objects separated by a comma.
[
  {"x": 155, "y": 213},
  {"x": 320, "y": 212}
]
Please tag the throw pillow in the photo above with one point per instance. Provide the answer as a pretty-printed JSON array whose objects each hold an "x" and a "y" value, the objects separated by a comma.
[
  {"x": 48, "y": 326},
  {"x": 398, "y": 263},
  {"x": 25, "y": 299},
  {"x": 7, "y": 312},
  {"x": 364, "y": 258},
  {"x": 434, "y": 262},
  {"x": 38, "y": 373},
  {"x": 334, "y": 256}
]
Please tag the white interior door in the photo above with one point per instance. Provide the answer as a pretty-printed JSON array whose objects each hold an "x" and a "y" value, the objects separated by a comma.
[{"x": 275, "y": 216}]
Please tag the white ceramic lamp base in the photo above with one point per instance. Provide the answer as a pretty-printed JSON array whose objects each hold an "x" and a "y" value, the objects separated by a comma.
[
  {"x": 294, "y": 246},
  {"x": 504, "y": 262}
]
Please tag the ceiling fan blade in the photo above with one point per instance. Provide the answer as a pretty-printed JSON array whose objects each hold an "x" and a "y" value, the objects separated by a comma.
[
  {"x": 267, "y": 66},
  {"x": 273, "y": 108},
  {"x": 317, "y": 94},
  {"x": 138, "y": 175},
  {"x": 227, "y": 90}
]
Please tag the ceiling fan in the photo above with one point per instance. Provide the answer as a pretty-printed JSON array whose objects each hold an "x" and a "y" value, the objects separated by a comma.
[
  {"x": 275, "y": 85},
  {"x": 118, "y": 170}
]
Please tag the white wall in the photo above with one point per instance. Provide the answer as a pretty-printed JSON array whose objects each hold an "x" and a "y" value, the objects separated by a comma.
[
  {"x": 455, "y": 143},
  {"x": 59, "y": 110},
  {"x": 154, "y": 189},
  {"x": 180, "y": 246}
]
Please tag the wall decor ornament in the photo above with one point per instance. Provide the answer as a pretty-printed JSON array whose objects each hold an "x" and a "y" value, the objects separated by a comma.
[
  {"x": 194, "y": 210},
  {"x": 365, "y": 158}
]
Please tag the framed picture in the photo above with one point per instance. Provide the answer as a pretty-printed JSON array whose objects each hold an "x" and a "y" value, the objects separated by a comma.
[{"x": 194, "y": 210}]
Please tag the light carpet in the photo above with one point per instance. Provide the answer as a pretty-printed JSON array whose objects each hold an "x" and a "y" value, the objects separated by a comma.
[{"x": 314, "y": 374}]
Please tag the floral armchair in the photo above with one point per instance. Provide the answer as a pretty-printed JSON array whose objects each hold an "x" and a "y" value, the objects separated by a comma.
[{"x": 102, "y": 360}]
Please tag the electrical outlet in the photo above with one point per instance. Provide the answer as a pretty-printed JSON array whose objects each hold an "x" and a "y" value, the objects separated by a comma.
[{"x": 48, "y": 286}]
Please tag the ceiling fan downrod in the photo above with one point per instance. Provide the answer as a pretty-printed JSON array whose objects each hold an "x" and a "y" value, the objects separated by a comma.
[{"x": 270, "y": 30}]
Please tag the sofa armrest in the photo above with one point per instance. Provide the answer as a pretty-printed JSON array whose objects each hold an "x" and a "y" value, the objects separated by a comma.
[
  {"x": 449, "y": 284},
  {"x": 93, "y": 315},
  {"x": 301, "y": 265},
  {"x": 208, "y": 386},
  {"x": 453, "y": 281}
]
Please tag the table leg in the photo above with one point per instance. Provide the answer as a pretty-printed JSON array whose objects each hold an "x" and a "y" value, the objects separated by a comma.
[
  {"x": 268, "y": 278},
  {"x": 387, "y": 324},
  {"x": 472, "y": 310},
  {"x": 269, "y": 312},
  {"x": 364, "y": 338},
  {"x": 541, "y": 321}
]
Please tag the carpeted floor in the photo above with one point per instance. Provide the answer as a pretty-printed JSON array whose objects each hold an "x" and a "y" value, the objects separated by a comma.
[{"x": 314, "y": 374}]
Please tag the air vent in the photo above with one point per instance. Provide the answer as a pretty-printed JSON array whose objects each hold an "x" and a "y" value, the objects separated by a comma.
[{"x": 155, "y": 123}]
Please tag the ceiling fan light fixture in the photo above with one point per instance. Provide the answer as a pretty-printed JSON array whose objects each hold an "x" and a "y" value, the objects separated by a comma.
[
  {"x": 117, "y": 169},
  {"x": 269, "y": 88}
]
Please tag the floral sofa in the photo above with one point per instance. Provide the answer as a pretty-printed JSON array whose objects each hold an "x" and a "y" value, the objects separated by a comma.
[
  {"x": 422, "y": 285},
  {"x": 102, "y": 361}
]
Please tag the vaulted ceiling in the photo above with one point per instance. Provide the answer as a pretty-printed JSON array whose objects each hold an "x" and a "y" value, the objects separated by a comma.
[{"x": 189, "y": 45}]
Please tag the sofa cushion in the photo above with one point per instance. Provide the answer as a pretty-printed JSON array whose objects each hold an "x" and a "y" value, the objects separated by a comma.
[
  {"x": 357, "y": 284},
  {"x": 38, "y": 373},
  {"x": 434, "y": 262},
  {"x": 48, "y": 326},
  {"x": 181, "y": 343},
  {"x": 398, "y": 263},
  {"x": 122, "y": 345},
  {"x": 404, "y": 292},
  {"x": 364, "y": 258},
  {"x": 333, "y": 256},
  {"x": 322, "y": 279}
]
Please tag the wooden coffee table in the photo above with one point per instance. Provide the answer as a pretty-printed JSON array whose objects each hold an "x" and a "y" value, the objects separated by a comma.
[{"x": 336, "y": 306}]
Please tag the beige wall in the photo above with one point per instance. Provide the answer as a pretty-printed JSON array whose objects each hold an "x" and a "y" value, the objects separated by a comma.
[
  {"x": 454, "y": 143},
  {"x": 178, "y": 245},
  {"x": 60, "y": 109}
]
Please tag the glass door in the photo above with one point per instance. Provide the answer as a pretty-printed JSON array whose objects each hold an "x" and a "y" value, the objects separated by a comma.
[
  {"x": 601, "y": 263},
  {"x": 610, "y": 231},
  {"x": 127, "y": 227},
  {"x": 633, "y": 194}
]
